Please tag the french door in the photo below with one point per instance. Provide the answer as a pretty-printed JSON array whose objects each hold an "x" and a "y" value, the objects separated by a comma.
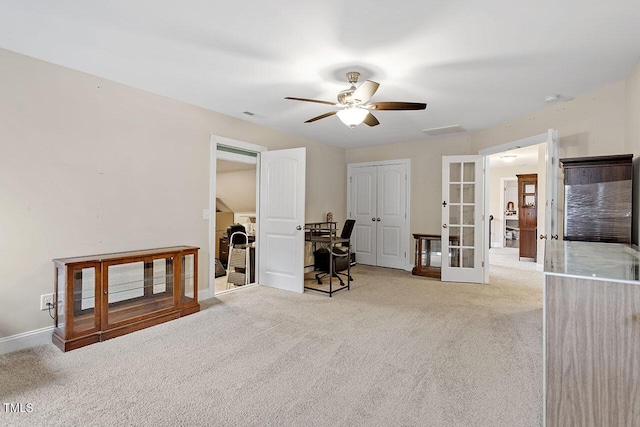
[{"x": 462, "y": 219}]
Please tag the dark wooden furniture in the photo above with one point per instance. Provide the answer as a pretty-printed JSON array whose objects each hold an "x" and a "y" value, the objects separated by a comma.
[
  {"x": 528, "y": 215},
  {"x": 104, "y": 296},
  {"x": 428, "y": 257},
  {"x": 598, "y": 192}
]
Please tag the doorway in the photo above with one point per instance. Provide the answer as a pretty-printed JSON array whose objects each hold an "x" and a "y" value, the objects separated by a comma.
[
  {"x": 280, "y": 197},
  {"x": 239, "y": 159},
  {"x": 236, "y": 210},
  {"x": 544, "y": 149}
]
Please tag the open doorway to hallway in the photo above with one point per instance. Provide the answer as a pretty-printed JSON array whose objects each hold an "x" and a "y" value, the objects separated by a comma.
[{"x": 516, "y": 214}]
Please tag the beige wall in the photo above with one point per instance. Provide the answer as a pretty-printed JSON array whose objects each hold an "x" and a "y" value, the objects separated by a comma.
[
  {"x": 237, "y": 189},
  {"x": 592, "y": 124},
  {"x": 633, "y": 109},
  {"x": 91, "y": 166},
  {"x": 633, "y": 141}
]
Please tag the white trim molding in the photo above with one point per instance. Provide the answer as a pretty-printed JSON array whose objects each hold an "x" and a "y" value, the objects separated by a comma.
[{"x": 26, "y": 340}]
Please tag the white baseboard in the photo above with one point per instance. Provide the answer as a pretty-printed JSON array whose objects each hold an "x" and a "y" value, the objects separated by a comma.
[{"x": 25, "y": 340}]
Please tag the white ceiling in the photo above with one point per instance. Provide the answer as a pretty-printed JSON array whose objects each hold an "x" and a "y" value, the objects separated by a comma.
[
  {"x": 476, "y": 64},
  {"x": 525, "y": 156}
]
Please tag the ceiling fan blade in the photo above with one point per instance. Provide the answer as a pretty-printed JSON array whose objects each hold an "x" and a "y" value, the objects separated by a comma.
[
  {"x": 365, "y": 91},
  {"x": 370, "y": 120},
  {"x": 321, "y": 116},
  {"x": 310, "y": 100},
  {"x": 397, "y": 106}
]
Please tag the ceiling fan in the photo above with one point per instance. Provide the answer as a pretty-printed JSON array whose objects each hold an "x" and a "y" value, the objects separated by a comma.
[{"x": 354, "y": 105}]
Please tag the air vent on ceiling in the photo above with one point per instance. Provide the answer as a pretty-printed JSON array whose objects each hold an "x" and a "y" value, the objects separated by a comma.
[
  {"x": 254, "y": 115},
  {"x": 443, "y": 130}
]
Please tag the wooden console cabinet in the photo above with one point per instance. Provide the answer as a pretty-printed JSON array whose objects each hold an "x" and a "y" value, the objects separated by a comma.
[{"x": 104, "y": 296}]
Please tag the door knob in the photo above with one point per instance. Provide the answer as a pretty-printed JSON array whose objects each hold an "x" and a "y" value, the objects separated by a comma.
[
  {"x": 554, "y": 237},
  {"x": 543, "y": 237},
  {"x": 444, "y": 225},
  {"x": 299, "y": 228},
  {"x": 373, "y": 219},
  {"x": 377, "y": 219}
]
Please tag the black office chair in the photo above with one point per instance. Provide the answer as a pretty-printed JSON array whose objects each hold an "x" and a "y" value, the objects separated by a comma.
[{"x": 340, "y": 256}]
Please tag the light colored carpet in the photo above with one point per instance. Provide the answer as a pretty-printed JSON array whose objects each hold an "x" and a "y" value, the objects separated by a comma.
[{"x": 394, "y": 350}]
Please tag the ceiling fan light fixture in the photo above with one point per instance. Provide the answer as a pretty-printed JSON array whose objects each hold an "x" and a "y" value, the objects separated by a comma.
[{"x": 352, "y": 116}]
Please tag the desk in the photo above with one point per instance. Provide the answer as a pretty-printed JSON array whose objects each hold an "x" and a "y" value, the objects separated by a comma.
[{"x": 325, "y": 234}]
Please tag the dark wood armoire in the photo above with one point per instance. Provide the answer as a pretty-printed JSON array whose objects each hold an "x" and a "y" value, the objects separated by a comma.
[
  {"x": 597, "y": 198},
  {"x": 528, "y": 214}
]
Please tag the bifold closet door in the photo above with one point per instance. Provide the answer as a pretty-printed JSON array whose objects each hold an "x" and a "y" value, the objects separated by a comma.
[
  {"x": 378, "y": 204},
  {"x": 363, "y": 209}
]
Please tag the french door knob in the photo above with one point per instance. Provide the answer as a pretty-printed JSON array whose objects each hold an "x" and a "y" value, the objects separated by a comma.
[
  {"x": 444, "y": 225},
  {"x": 543, "y": 237},
  {"x": 377, "y": 219},
  {"x": 554, "y": 237},
  {"x": 373, "y": 219}
]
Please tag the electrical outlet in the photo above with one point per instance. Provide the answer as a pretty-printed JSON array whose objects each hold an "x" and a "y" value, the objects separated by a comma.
[{"x": 46, "y": 299}]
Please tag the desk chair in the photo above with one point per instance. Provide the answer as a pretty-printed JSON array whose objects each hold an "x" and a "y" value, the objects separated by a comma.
[{"x": 340, "y": 256}]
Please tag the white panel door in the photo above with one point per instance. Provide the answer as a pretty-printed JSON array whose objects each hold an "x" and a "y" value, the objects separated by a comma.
[
  {"x": 363, "y": 210},
  {"x": 281, "y": 224},
  {"x": 378, "y": 203},
  {"x": 462, "y": 225},
  {"x": 391, "y": 216}
]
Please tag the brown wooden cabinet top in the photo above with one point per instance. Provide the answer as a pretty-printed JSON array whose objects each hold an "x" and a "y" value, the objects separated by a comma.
[
  {"x": 127, "y": 254},
  {"x": 576, "y": 162}
]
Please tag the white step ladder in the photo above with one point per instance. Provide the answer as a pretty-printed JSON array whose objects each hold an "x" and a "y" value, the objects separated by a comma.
[{"x": 238, "y": 259}]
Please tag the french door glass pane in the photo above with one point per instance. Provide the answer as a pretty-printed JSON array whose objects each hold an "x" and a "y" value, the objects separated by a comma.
[
  {"x": 454, "y": 257},
  {"x": 468, "y": 236},
  {"x": 467, "y": 258},
  {"x": 454, "y": 193},
  {"x": 468, "y": 213},
  {"x": 468, "y": 193},
  {"x": 469, "y": 172},
  {"x": 454, "y": 214},
  {"x": 455, "y": 172}
]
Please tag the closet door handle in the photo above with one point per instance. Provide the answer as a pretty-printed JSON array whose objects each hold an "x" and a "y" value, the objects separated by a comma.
[
  {"x": 378, "y": 219},
  {"x": 373, "y": 219}
]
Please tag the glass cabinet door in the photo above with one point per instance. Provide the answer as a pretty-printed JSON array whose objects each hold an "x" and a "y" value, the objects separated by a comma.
[
  {"x": 75, "y": 298},
  {"x": 136, "y": 289}
]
